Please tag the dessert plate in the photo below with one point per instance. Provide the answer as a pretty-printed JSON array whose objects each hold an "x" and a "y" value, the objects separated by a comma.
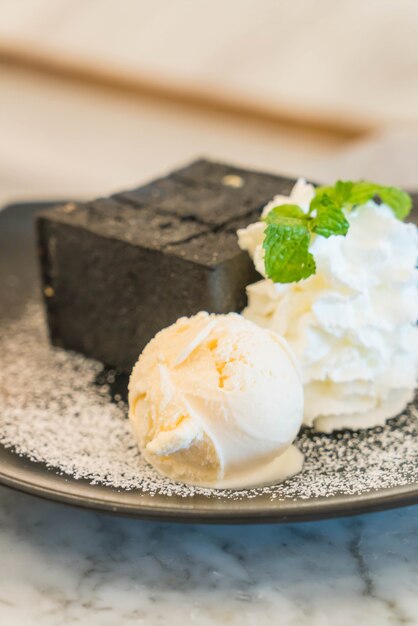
[{"x": 42, "y": 453}]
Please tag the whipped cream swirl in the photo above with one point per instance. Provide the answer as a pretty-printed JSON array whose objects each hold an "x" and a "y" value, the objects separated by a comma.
[{"x": 352, "y": 325}]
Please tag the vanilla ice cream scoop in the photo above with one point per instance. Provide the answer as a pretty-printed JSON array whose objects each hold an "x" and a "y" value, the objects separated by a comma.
[{"x": 215, "y": 400}]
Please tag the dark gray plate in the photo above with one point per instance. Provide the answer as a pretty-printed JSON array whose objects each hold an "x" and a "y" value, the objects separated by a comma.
[{"x": 17, "y": 259}]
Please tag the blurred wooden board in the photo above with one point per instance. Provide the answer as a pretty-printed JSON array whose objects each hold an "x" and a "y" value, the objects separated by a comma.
[
  {"x": 63, "y": 139},
  {"x": 350, "y": 66}
]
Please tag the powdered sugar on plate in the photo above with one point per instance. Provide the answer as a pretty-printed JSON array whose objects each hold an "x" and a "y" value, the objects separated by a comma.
[{"x": 62, "y": 409}]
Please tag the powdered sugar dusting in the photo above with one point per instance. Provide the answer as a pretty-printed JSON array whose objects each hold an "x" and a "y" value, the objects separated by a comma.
[{"x": 57, "y": 407}]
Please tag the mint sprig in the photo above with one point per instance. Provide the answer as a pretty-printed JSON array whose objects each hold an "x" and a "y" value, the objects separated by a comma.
[
  {"x": 289, "y": 229},
  {"x": 288, "y": 234}
]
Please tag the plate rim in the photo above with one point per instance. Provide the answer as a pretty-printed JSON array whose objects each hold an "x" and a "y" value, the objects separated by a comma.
[{"x": 279, "y": 511}]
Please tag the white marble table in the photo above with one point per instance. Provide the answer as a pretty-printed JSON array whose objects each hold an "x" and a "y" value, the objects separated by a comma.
[{"x": 64, "y": 566}]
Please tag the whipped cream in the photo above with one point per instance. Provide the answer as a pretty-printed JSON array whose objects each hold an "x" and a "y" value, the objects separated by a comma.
[
  {"x": 352, "y": 325},
  {"x": 215, "y": 400}
]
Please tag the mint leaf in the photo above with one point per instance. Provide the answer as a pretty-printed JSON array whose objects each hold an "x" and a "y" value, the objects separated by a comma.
[
  {"x": 399, "y": 201},
  {"x": 287, "y": 258},
  {"x": 276, "y": 215},
  {"x": 349, "y": 194},
  {"x": 329, "y": 219},
  {"x": 362, "y": 192},
  {"x": 340, "y": 192},
  {"x": 343, "y": 190}
]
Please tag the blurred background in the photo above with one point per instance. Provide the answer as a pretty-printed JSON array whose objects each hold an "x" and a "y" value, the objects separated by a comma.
[{"x": 96, "y": 95}]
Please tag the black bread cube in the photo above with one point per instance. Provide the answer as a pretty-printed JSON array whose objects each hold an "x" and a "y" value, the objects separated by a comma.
[
  {"x": 212, "y": 193},
  {"x": 118, "y": 270}
]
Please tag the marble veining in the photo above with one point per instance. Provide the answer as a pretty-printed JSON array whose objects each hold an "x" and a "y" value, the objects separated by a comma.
[{"x": 63, "y": 566}]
